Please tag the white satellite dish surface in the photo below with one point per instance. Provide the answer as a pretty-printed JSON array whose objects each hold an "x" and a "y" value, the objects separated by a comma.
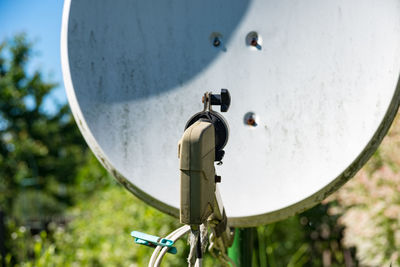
[{"x": 322, "y": 83}]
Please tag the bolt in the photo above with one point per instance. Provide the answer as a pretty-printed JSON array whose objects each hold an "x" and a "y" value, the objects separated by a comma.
[
  {"x": 251, "y": 121},
  {"x": 216, "y": 42},
  {"x": 254, "y": 42}
]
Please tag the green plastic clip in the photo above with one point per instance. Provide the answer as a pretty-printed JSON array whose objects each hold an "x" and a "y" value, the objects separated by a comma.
[{"x": 153, "y": 241}]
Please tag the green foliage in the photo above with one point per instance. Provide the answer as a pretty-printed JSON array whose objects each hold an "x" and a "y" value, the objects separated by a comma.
[
  {"x": 98, "y": 234},
  {"x": 312, "y": 238},
  {"x": 37, "y": 150},
  {"x": 40, "y": 153}
]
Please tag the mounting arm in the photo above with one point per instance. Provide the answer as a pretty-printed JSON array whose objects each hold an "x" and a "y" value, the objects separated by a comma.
[{"x": 201, "y": 145}]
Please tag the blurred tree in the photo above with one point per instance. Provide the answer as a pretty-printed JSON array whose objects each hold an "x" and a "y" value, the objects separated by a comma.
[
  {"x": 99, "y": 234},
  {"x": 369, "y": 205},
  {"x": 40, "y": 153},
  {"x": 312, "y": 238}
]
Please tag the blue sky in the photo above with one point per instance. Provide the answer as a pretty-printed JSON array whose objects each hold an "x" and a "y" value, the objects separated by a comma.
[{"x": 41, "y": 20}]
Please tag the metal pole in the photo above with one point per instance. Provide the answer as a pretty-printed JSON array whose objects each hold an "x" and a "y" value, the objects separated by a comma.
[{"x": 241, "y": 251}]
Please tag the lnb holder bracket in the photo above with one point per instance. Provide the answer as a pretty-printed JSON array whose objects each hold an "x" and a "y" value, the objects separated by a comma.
[{"x": 221, "y": 128}]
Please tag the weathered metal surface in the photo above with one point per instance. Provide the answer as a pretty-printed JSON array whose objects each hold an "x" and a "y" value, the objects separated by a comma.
[{"x": 322, "y": 84}]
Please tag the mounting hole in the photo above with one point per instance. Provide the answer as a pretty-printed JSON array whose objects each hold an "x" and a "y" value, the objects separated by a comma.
[
  {"x": 254, "y": 41},
  {"x": 216, "y": 39},
  {"x": 251, "y": 119}
]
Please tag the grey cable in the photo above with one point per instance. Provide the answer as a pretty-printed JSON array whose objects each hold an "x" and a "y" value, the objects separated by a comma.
[
  {"x": 175, "y": 235},
  {"x": 181, "y": 232}
]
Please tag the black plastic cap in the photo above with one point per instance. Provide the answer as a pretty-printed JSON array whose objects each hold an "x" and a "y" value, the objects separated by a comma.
[{"x": 225, "y": 100}]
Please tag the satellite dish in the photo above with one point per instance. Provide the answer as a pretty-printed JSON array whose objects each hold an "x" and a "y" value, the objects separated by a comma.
[{"x": 314, "y": 88}]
